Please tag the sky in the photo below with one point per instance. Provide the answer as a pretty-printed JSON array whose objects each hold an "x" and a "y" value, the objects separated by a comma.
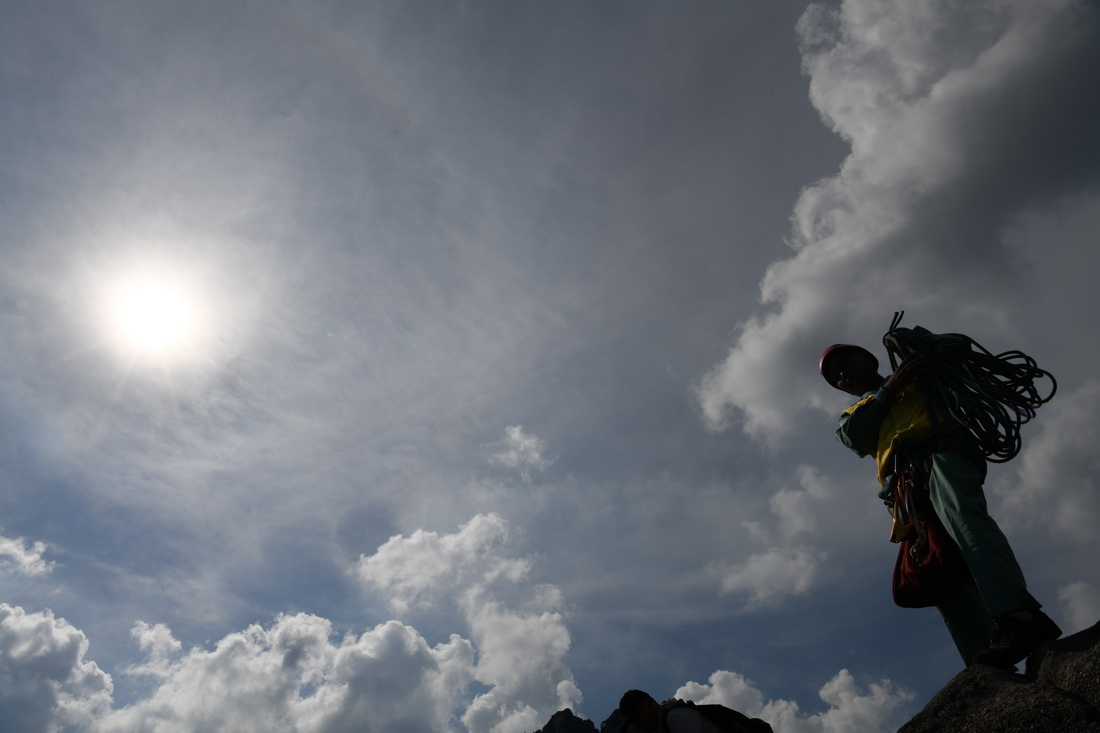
[{"x": 437, "y": 365}]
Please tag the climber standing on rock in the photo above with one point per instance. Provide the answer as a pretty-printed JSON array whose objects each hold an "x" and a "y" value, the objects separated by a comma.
[{"x": 928, "y": 427}]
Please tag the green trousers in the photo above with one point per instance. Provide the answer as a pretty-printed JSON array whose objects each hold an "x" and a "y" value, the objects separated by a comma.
[{"x": 955, "y": 487}]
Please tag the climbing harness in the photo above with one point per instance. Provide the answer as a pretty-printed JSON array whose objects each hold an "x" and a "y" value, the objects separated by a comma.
[{"x": 929, "y": 568}]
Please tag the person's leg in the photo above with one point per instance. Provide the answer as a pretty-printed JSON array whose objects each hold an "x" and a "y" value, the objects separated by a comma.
[
  {"x": 969, "y": 623},
  {"x": 955, "y": 488}
]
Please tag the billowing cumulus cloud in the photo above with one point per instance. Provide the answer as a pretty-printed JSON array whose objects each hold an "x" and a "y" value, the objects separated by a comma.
[
  {"x": 850, "y": 708},
  {"x": 520, "y": 650},
  {"x": 18, "y": 556},
  {"x": 942, "y": 104},
  {"x": 159, "y": 645},
  {"x": 725, "y": 688},
  {"x": 47, "y": 682},
  {"x": 520, "y": 656},
  {"x": 296, "y": 676},
  {"x": 415, "y": 569}
]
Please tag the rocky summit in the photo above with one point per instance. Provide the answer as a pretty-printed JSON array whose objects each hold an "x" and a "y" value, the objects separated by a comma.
[
  {"x": 1058, "y": 691},
  {"x": 564, "y": 721}
]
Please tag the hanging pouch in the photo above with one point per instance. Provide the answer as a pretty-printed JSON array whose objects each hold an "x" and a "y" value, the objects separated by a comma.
[{"x": 929, "y": 569}]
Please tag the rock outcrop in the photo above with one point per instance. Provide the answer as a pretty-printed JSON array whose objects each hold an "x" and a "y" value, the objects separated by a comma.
[
  {"x": 611, "y": 725},
  {"x": 1059, "y": 691},
  {"x": 564, "y": 721}
]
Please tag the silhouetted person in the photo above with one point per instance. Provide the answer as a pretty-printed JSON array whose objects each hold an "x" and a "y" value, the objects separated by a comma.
[
  {"x": 642, "y": 713},
  {"x": 993, "y": 619}
]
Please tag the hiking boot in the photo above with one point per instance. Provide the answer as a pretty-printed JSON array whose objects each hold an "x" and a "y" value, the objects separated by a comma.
[{"x": 1016, "y": 638}]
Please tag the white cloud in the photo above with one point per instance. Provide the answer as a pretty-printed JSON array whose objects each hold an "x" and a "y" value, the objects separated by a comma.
[
  {"x": 1081, "y": 602},
  {"x": 159, "y": 645},
  {"x": 1055, "y": 482},
  {"x": 851, "y": 710},
  {"x": 725, "y": 688},
  {"x": 799, "y": 511},
  {"x": 522, "y": 452},
  {"x": 293, "y": 676},
  {"x": 409, "y": 567},
  {"x": 47, "y": 682},
  {"x": 296, "y": 675},
  {"x": 935, "y": 99},
  {"x": 793, "y": 511},
  {"x": 23, "y": 559},
  {"x": 520, "y": 651},
  {"x": 520, "y": 656},
  {"x": 769, "y": 576}
]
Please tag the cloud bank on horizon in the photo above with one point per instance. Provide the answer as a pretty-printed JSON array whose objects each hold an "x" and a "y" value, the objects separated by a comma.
[
  {"x": 297, "y": 674},
  {"x": 419, "y": 501}
]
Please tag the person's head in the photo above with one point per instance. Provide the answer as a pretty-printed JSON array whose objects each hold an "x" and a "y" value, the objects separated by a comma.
[
  {"x": 639, "y": 709},
  {"x": 849, "y": 368}
]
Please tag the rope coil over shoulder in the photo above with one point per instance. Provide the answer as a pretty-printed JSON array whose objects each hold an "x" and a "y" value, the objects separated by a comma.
[{"x": 989, "y": 395}]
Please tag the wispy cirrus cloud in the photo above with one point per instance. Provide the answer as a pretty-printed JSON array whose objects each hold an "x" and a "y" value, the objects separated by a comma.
[
  {"x": 522, "y": 452},
  {"x": 766, "y": 578}
]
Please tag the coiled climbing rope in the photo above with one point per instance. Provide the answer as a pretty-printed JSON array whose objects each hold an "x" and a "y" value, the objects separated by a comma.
[{"x": 989, "y": 395}]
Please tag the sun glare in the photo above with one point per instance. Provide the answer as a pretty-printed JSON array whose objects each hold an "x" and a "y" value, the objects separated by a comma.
[{"x": 154, "y": 315}]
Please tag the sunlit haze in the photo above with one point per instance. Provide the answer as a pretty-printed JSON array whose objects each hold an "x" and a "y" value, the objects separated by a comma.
[{"x": 434, "y": 366}]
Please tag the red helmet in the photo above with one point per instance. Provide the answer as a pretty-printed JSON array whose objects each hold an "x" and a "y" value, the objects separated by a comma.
[{"x": 836, "y": 349}]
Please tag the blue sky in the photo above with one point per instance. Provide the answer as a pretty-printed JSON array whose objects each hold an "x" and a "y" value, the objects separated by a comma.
[{"x": 433, "y": 366}]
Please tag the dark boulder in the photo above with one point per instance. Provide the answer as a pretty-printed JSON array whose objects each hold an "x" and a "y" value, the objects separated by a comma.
[
  {"x": 1060, "y": 691},
  {"x": 564, "y": 721},
  {"x": 611, "y": 725}
]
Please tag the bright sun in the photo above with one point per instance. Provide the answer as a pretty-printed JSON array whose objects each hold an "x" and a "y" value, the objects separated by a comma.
[
  {"x": 152, "y": 317},
  {"x": 153, "y": 314}
]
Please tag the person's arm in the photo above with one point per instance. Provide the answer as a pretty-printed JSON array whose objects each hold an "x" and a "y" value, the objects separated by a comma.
[{"x": 859, "y": 425}]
